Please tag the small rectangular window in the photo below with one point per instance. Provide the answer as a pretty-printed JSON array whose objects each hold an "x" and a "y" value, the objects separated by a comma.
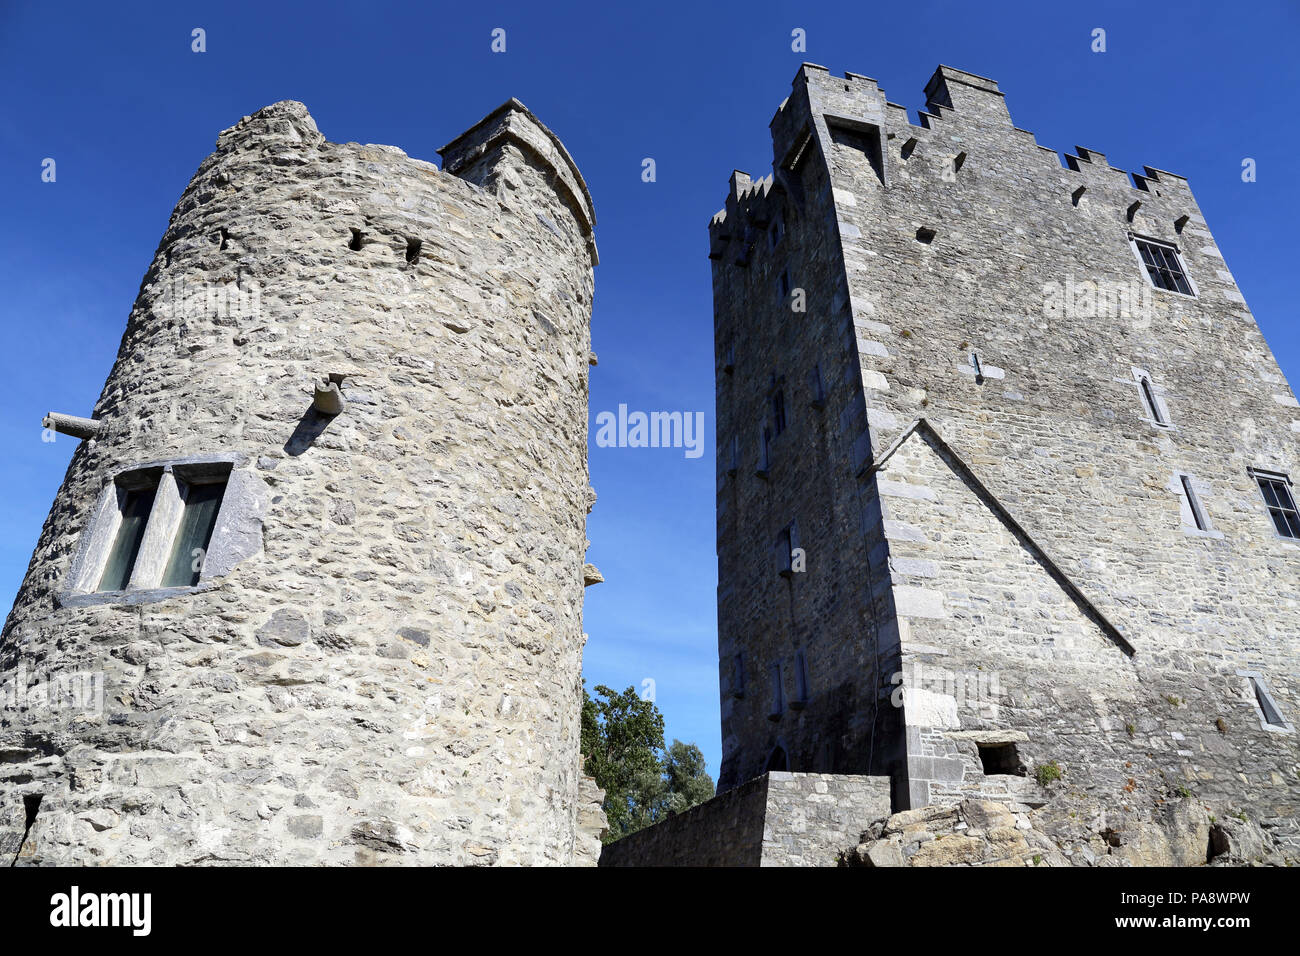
[
  {"x": 1276, "y": 489},
  {"x": 778, "y": 412},
  {"x": 776, "y": 231},
  {"x": 738, "y": 677},
  {"x": 136, "y": 505},
  {"x": 1163, "y": 266},
  {"x": 764, "y": 451},
  {"x": 783, "y": 284},
  {"x": 198, "y": 521}
]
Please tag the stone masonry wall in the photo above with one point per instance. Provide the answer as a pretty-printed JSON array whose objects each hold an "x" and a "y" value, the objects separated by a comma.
[
  {"x": 967, "y": 278},
  {"x": 389, "y": 673}
]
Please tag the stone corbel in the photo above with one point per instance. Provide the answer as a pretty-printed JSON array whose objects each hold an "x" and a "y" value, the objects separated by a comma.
[
  {"x": 71, "y": 425},
  {"x": 329, "y": 398}
]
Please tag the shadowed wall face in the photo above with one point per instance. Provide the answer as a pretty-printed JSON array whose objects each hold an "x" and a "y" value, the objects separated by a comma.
[{"x": 365, "y": 645}]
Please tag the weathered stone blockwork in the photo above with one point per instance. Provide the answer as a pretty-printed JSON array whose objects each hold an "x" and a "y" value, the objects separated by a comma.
[
  {"x": 386, "y": 667},
  {"x": 999, "y": 549},
  {"x": 778, "y": 819}
]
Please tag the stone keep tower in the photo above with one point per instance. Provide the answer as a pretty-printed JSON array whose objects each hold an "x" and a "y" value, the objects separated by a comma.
[
  {"x": 1005, "y": 469},
  {"x": 322, "y": 548}
]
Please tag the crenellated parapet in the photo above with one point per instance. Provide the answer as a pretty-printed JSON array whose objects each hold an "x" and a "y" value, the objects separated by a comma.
[{"x": 822, "y": 106}]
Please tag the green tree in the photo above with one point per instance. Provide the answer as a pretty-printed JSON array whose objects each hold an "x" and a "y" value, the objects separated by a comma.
[
  {"x": 688, "y": 781},
  {"x": 623, "y": 740}
]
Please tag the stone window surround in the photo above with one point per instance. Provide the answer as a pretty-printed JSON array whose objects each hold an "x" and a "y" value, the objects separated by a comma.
[
  {"x": 1256, "y": 687},
  {"x": 1162, "y": 420},
  {"x": 1188, "y": 509},
  {"x": 1134, "y": 237},
  {"x": 237, "y": 535}
]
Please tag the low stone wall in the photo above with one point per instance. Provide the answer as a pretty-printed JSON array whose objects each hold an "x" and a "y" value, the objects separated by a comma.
[
  {"x": 724, "y": 831},
  {"x": 778, "y": 819},
  {"x": 812, "y": 817}
]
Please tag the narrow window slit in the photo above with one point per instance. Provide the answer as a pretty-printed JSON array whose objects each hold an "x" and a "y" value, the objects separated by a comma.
[
  {"x": 802, "y": 693},
  {"x": 1153, "y": 407},
  {"x": 1193, "y": 502},
  {"x": 778, "y": 696},
  {"x": 413, "y": 249},
  {"x": 778, "y": 411},
  {"x": 1272, "y": 716},
  {"x": 355, "y": 244}
]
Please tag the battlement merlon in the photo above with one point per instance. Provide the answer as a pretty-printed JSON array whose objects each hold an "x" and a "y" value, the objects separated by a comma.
[
  {"x": 468, "y": 156},
  {"x": 967, "y": 93}
]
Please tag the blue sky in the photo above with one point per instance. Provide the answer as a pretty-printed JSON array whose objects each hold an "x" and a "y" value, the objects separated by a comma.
[{"x": 114, "y": 94}]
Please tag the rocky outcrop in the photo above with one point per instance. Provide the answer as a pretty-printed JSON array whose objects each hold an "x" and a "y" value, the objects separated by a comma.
[{"x": 1068, "y": 831}]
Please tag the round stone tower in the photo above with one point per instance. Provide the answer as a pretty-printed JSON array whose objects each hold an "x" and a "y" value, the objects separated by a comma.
[{"x": 311, "y": 591}]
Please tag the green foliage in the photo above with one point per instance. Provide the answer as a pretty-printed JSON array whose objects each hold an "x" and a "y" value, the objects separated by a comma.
[
  {"x": 644, "y": 782},
  {"x": 1048, "y": 772}
]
